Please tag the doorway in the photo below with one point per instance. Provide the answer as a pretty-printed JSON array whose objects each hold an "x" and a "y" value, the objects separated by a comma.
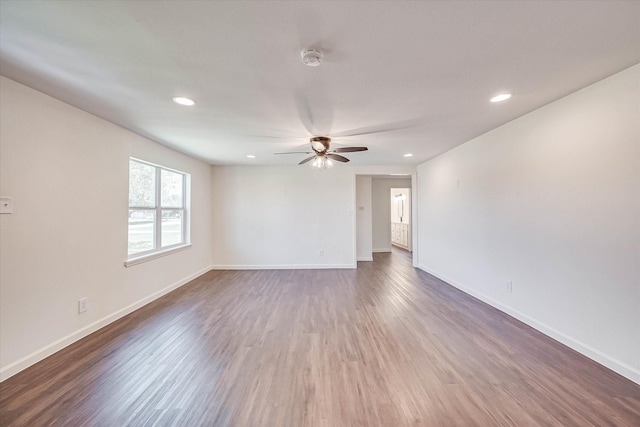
[{"x": 372, "y": 220}]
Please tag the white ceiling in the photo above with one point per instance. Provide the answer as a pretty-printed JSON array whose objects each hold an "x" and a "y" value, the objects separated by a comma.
[{"x": 426, "y": 69}]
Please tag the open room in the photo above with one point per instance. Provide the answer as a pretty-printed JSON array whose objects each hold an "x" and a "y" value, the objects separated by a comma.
[{"x": 319, "y": 213}]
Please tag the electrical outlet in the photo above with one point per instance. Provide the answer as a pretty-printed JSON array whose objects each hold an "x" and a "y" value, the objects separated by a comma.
[
  {"x": 321, "y": 252},
  {"x": 509, "y": 287},
  {"x": 83, "y": 305}
]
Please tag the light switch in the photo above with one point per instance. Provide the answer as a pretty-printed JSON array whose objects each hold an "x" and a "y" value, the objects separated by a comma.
[{"x": 6, "y": 205}]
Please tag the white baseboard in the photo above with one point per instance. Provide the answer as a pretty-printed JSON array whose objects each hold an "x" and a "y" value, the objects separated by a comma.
[
  {"x": 365, "y": 258},
  {"x": 283, "y": 267},
  {"x": 46, "y": 351},
  {"x": 381, "y": 250},
  {"x": 593, "y": 354}
]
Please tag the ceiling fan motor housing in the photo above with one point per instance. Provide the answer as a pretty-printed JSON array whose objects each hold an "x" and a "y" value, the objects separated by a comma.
[
  {"x": 311, "y": 57},
  {"x": 320, "y": 144}
]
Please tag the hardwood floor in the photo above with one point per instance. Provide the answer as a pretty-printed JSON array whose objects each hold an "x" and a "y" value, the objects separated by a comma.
[{"x": 383, "y": 345}]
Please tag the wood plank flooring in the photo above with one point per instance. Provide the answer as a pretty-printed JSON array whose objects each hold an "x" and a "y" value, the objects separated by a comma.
[{"x": 383, "y": 345}]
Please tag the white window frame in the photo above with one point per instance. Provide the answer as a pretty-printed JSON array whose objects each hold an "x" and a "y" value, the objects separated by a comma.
[{"x": 158, "y": 250}]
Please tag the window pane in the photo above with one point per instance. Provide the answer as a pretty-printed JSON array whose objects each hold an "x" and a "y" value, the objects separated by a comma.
[
  {"x": 171, "y": 189},
  {"x": 141, "y": 230},
  {"x": 142, "y": 185},
  {"x": 171, "y": 227}
]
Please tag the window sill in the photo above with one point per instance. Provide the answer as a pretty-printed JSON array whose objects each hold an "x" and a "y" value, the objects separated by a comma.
[{"x": 144, "y": 258}]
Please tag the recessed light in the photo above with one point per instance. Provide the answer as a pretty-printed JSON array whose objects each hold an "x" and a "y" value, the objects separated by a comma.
[
  {"x": 183, "y": 101},
  {"x": 408, "y": 155},
  {"x": 501, "y": 97},
  {"x": 250, "y": 156}
]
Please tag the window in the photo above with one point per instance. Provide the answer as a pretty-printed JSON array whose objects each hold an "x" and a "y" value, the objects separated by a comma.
[{"x": 158, "y": 215}]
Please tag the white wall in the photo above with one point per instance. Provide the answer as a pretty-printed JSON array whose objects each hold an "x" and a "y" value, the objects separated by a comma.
[
  {"x": 551, "y": 202},
  {"x": 381, "y": 190},
  {"x": 67, "y": 238},
  {"x": 364, "y": 224},
  {"x": 282, "y": 217}
]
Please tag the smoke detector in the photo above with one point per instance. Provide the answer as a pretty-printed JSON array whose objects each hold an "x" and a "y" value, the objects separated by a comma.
[{"x": 311, "y": 57}]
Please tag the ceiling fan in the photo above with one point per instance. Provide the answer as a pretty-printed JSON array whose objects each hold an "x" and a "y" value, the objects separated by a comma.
[
  {"x": 320, "y": 122},
  {"x": 322, "y": 155}
]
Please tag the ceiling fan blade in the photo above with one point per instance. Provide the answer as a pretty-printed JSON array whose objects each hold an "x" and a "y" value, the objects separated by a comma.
[
  {"x": 307, "y": 159},
  {"x": 304, "y": 112},
  {"x": 314, "y": 107},
  {"x": 388, "y": 127},
  {"x": 295, "y": 152},
  {"x": 337, "y": 157},
  {"x": 275, "y": 137},
  {"x": 349, "y": 149}
]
